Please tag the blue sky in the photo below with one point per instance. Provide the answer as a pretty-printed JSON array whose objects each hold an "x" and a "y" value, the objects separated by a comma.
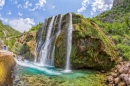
[{"x": 23, "y": 14}]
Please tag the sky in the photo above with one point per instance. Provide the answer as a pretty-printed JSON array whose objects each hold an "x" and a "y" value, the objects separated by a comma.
[{"x": 23, "y": 14}]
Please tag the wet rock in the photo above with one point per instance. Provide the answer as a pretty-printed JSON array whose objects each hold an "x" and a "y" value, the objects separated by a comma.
[{"x": 16, "y": 81}]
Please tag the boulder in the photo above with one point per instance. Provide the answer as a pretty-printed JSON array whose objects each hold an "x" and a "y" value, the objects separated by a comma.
[{"x": 91, "y": 48}]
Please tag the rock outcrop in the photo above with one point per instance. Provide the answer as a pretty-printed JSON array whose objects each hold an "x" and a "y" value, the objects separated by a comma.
[
  {"x": 117, "y": 2},
  {"x": 6, "y": 68}
]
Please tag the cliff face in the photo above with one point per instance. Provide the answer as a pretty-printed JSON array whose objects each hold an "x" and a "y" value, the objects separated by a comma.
[
  {"x": 121, "y": 2},
  {"x": 117, "y": 2},
  {"x": 6, "y": 67}
]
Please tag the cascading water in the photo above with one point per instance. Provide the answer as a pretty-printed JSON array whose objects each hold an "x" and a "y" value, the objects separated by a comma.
[
  {"x": 46, "y": 47},
  {"x": 69, "y": 44},
  {"x": 44, "y": 51},
  {"x": 47, "y": 38},
  {"x": 57, "y": 34},
  {"x": 40, "y": 41}
]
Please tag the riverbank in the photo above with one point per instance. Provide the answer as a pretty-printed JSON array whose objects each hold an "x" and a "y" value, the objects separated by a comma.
[{"x": 7, "y": 63}]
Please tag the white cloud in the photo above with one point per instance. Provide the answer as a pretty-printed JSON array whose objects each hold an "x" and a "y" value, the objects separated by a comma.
[
  {"x": 9, "y": 13},
  {"x": 22, "y": 24},
  {"x": 101, "y": 5},
  {"x": 2, "y": 3},
  {"x": 84, "y": 6},
  {"x": 39, "y": 5},
  {"x": 20, "y": 14},
  {"x": 3, "y": 19},
  {"x": 27, "y": 4},
  {"x": 19, "y": 6},
  {"x": 53, "y": 7}
]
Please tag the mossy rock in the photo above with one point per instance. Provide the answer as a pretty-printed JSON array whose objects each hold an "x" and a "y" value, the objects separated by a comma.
[{"x": 91, "y": 48}]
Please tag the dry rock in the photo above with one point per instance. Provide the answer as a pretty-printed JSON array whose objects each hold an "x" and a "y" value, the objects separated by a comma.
[
  {"x": 110, "y": 79},
  {"x": 122, "y": 84},
  {"x": 114, "y": 74},
  {"x": 117, "y": 80},
  {"x": 125, "y": 70}
]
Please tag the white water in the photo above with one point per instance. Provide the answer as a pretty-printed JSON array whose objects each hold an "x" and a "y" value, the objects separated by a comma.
[
  {"x": 57, "y": 34},
  {"x": 43, "y": 69},
  {"x": 69, "y": 45},
  {"x": 46, "y": 47},
  {"x": 39, "y": 43},
  {"x": 44, "y": 51}
]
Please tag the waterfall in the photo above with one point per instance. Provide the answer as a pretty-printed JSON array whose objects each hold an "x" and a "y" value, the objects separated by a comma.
[
  {"x": 69, "y": 44},
  {"x": 57, "y": 34},
  {"x": 40, "y": 41},
  {"x": 46, "y": 48},
  {"x": 44, "y": 51},
  {"x": 47, "y": 35}
]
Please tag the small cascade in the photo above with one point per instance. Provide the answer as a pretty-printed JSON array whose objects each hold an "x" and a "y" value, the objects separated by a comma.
[
  {"x": 53, "y": 49},
  {"x": 40, "y": 41},
  {"x": 44, "y": 51},
  {"x": 69, "y": 44}
]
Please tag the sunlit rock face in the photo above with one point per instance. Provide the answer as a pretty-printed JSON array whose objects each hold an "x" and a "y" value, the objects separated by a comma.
[
  {"x": 91, "y": 48},
  {"x": 6, "y": 67}
]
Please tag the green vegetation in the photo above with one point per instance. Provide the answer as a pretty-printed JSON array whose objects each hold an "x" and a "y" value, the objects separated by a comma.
[
  {"x": 8, "y": 35},
  {"x": 90, "y": 79},
  {"x": 91, "y": 48},
  {"x": 116, "y": 24},
  {"x": 35, "y": 28},
  {"x": 25, "y": 44}
]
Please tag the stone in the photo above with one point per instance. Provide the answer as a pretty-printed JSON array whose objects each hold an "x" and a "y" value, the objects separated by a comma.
[
  {"x": 122, "y": 84},
  {"x": 128, "y": 72},
  {"x": 128, "y": 83},
  {"x": 122, "y": 76},
  {"x": 110, "y": 79},
  {"x": 125, "y": 70},
  {"x": 110, "y": 84},
  {"x": 125, "y": 79},
  {"x": 114, "y": 74},
  {"x": 121, "y": 70},
  {"x": 117, "y": 80},
  {"x": 127, "y": 64}
]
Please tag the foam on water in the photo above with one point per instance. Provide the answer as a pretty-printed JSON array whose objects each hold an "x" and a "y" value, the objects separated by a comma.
[{"x": 38, "y": 67}]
